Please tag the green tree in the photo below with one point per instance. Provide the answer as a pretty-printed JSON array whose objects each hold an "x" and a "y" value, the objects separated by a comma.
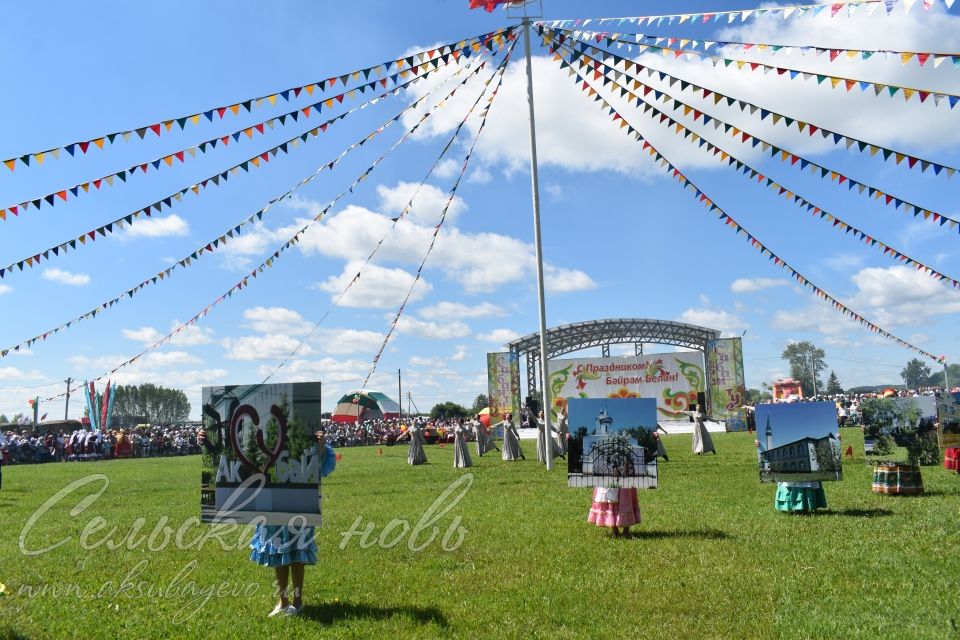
[
  {"x": 448, "y": 410},
  {"x": 953, "y": 374},
  {"x": 833, "y": 385},
  {"x": 480, "y": 403},
  {"x": 915, "y": 374},
  {"x": 806, "y": 363},
  {"x": 3, "y": 418},
  {"x": 148, "y": 403},
  {"x": 756, "y": 396}
]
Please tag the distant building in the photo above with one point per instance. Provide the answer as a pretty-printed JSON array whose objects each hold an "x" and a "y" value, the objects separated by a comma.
[
  {"x": 800, "y": 456},
  {"x": 604, "y": 422},
  {"x": 787, "y": 388}
]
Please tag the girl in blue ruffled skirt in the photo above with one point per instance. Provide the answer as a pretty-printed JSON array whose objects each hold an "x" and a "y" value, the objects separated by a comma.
[{"x": 288, "y": 549}]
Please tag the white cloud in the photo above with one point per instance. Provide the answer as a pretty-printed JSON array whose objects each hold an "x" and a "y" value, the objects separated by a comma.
[
  {"x": 65, "y": 277},
  {"x": 463, "y": 257},
  {"x": 816, "y": 316},
  {"x": 347, "y": 341},
  {"x": 5, "y": 288},
  {"x": 724, "y": 321},
  {"x": 264, "y": 347},
  {"x": 499, "y": 336},
  {"x": 479, "y": 175},
  {"x": 432, "y": 363},
  {"x": 446, "y": 168},
  {"x": 191, "y": 335},
  {"x": 170, "y": 359},
  {"x": 147, "y": 335},
  {"x": 901, "y": 296},
  {"x": 171, "y": 225},
  {"x": 329, "y": 370},
  {"x": 427, "y": 204},
  {"x": 378, "y": 287},
  {"x": 460, "y": 353},
  {"x": 187, "y": 336},
  {"x": 562, "y": 280},
  {"x": 458, "y": 310},
  {"x": 432, "y": 330},
  {"x": 752, "y": 285},
  {"x": 276, "y": 320},
  {"x": 13, "y": 373}
]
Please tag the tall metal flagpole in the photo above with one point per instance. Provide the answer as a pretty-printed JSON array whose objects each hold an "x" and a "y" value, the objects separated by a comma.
[{"x": 535, "y": 191}]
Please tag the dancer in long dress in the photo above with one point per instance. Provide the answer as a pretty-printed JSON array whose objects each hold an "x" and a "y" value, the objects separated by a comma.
[
  {"x": 461, "y": 453},
  {"x": 702, "y": 442},
  {"x": 800, "y": 497},
  {"x": 661, "y": 451},
  {"x": 617, "y": 509},
  {"x": 563, "y": 432},
  {"x": 511, "y": 440},
  {"x": 485, "y": 441},
  {"x": 416, "y": 454},
  {"x": 543, "y": 442}
]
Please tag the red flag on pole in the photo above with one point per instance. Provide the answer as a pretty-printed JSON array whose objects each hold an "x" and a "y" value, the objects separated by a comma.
[{"x": 490, "y": 5}]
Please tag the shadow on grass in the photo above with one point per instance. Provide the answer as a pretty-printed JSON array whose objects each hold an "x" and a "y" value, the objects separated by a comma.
[
  {"x": 9, "y": 633},
  {"x": 852, "y": 513},
  {"x": 703, "y": 534},
  {"x": 331, "y": 612},
  {"x": 935, "y": 493}
]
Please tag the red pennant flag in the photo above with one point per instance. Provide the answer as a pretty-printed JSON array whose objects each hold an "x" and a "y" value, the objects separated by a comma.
[{"x": 488, "y": 5}]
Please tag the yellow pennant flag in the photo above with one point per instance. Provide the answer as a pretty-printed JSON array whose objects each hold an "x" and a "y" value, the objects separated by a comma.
[{"x": 39, "y": 157}]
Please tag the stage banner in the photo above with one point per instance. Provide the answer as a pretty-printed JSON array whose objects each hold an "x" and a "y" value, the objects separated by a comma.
[
  {"x": 672, "y": 379},
  {"x": 261, "y": 462},
  {"x": 725, "y": 377},
  {"x": 503, "y": 385}
]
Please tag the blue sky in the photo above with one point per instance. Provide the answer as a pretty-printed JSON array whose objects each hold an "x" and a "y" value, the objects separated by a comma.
[
  {"x": 627, "y": 413},
  {"x": 791, "y": 422},
  {"x": 620, "y": 239}
]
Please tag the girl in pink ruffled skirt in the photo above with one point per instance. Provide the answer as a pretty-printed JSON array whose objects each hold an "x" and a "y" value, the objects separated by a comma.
[{"x": 614, "y": 508}]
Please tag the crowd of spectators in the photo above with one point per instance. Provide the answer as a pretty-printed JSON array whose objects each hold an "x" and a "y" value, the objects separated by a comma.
[
  {"x": 849, "y": 404},
  {"x": 387, "y": 432},
  {"x": 25, "y": 446}
]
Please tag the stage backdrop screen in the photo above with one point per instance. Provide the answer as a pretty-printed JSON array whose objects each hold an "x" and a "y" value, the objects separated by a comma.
[
  {"x": 671, "y": 379},
  {"x": 612, "y": 443},
  {"x": 262, "y": 463},
  {"x": 798, "y": 442}
]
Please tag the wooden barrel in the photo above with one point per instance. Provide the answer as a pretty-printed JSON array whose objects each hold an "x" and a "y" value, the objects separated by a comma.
[
  {"x": 897, "y": 480},
  {"x": 951, "y": 458}
]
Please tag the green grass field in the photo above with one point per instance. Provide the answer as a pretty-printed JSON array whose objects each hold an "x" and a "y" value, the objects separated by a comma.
[{"x": 712, "y": 558}]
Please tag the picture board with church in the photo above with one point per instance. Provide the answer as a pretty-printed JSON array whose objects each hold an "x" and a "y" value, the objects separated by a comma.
[
  {"x": 798, "y": 442},
  {"x": 612, "y": 442}
]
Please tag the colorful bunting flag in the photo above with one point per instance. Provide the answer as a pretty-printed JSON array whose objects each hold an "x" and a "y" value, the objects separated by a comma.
[
  {"x": 479, "y": 65},
  {"x": 604, "y": 71},
  {"x": 166, "y": 124},
  {"x": 196, "y": 189},
  {"x": 738, "y": 228}
]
